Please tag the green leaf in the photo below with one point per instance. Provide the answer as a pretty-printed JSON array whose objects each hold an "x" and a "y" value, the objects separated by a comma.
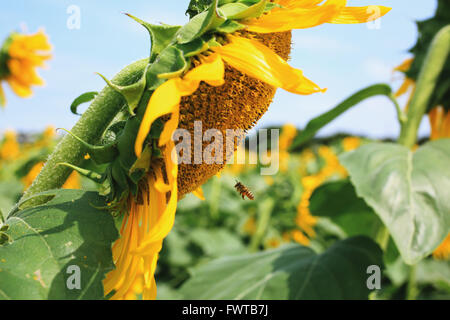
[
  {"x": 339, "y": 202},
  {"x": 434, "y": 272},
  {"x": 321, "y": 121},
  {"x": 217, "y": 242},
  {"x": 132, "y": 93},
  {"x": 85, "y": 97},
  {"x": 409, "y": 191},
  {"x": 230, "y": 26},
  {"x": 170, "y": 63},
  {"x": 47, "y": 239},
  {"x": 200, "y": 24},
  {"x": 161, "y": 35},
  {"x": 240, "y": 11},
  {"x": 290, "y": 272},
  {"x": 193, "y": 48}
]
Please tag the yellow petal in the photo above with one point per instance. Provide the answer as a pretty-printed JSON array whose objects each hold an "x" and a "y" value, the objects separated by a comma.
[
  {"x": 258, "y": 61},
  {"x": 350, "y": 15},
  {"x": 405, "y": 66},
  {"x": 296, "y": 16},
  {"x": 165, "y": 223},
  {"x": 163, "y": 101},
  {"x": 404, "y": 88},
  {"x": 21, "y": 90},
  {"x": 199, "y": 193},
  {"x": 307, "y": 14}
]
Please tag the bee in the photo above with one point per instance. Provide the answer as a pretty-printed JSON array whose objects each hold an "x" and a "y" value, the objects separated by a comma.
[{"x": 244, "y": 191}]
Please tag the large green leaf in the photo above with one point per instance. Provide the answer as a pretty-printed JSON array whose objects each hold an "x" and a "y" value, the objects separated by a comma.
[
  {"x": 338, "y": 201},
  {"x": 46, "y": 240},
  {"x": 409, "y": 191},
  {"x": 217, "y": 242},
  {"x": 290, "y": 272}
]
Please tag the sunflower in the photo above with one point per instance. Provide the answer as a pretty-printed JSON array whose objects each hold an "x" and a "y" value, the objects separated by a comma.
[
  {"x": 222, "y": 68},
  {"x": 20, "y": 54}
]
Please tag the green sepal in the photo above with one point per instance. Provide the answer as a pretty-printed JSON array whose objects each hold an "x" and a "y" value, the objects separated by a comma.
[
  {"x": 230, "y": 26},
  {"x": 156, "y": 129},
  {"x": 142, "y": 163},
  {"x": 83, "y": 98},
  {"x": 161, "y": 35},
  {"x": 132, "y": 93},
  {"x": 170, "y": 63},
  {"x": 241, "y": 11},
  {"x": 4, "y": 57},
  {"x": 92, "y": 175},
  {"x": 99, "y": 154},
  {"x": 201, "y": 23},
  {"x": 157, "y": 153},
  {"x": 120, "y": 177},
  {"x": 193, "y": 48},
  {"x": 178, "y": 63}
]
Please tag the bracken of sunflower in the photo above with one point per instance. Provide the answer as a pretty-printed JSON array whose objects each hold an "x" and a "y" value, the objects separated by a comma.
[
  {"x": 20, "y": 55},
  {"x": 228, "y": 86}
]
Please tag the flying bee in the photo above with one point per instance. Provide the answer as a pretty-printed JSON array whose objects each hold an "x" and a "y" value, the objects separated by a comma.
[{"x": 244, "y": 191}]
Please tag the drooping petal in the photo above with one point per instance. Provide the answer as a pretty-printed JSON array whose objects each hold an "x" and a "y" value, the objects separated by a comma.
[
  {"x": 307, "y": 14},
  {"x": 405, "y": 87},
  {"x": 405, "y": 66},
  {"x": 256, "y": 60}
]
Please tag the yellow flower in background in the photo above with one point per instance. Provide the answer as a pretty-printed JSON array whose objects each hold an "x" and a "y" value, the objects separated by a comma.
[
  {"x": 332, "y": 167},
  {"x": 351, "y": 143},
  {"x": 250, "y": 226},
  {"x": 72, "y": 182},
  {"x": 32, "y": 174},
  {"x": 443, "y": 251},
  {"x": 439, "y": 123},
  {"x": 19, "y": 57},
  {"x": 288, "y": 133},
  {"x": 10, "y": 149}
]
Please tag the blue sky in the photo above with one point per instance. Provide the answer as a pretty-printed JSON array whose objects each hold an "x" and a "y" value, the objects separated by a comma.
[{"x": 342, "y": 58}]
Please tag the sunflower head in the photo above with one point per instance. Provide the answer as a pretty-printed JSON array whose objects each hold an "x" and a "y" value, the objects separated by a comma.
[{"x": 20, "y": 55}]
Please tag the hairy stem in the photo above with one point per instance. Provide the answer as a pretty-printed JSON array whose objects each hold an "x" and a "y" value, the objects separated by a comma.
[
  {"x": 426, "y": 83},
  {"x": 90, "y": 128}
]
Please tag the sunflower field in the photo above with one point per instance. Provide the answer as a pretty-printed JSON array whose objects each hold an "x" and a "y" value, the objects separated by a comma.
[{"x": 164, "y": 190}]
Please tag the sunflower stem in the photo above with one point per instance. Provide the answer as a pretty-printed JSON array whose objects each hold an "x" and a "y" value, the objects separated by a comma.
[
  {"x": 265, "y": 213},
  {"x": 426, "y": 83},
  {"x": 89, "y": 128}
]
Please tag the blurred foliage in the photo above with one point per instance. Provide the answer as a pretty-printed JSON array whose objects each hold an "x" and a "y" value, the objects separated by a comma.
[{"x": 307, "y": 209}]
